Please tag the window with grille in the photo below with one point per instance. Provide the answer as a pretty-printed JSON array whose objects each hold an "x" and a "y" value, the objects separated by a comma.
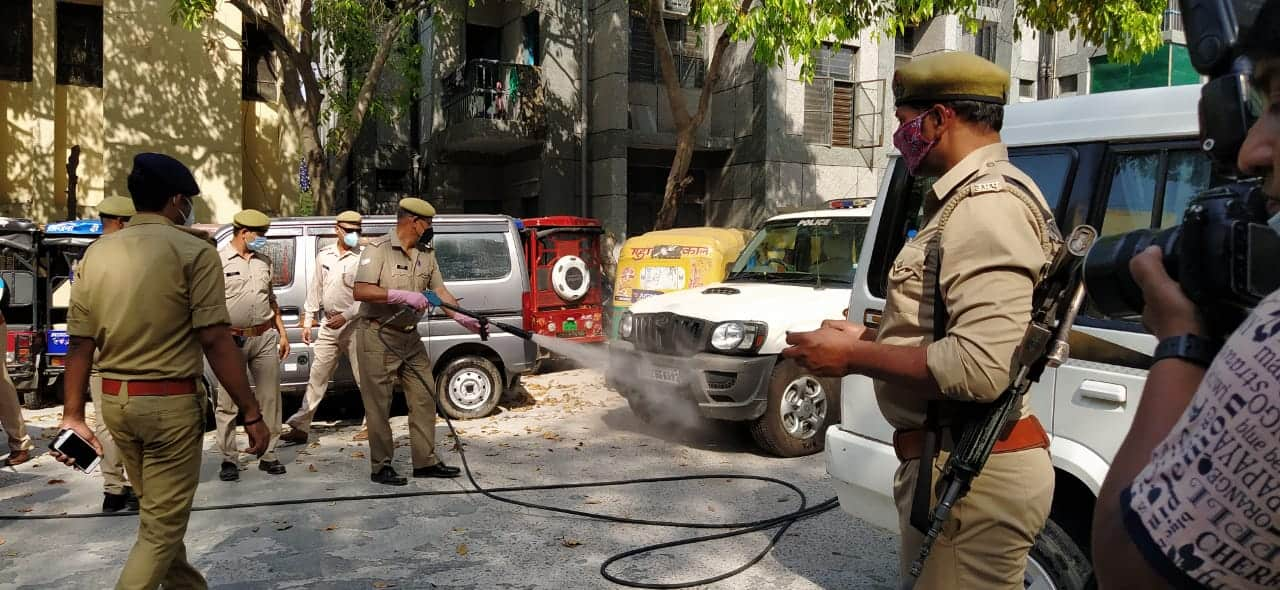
[
  {"x": 984, "y": 41},
  {"x": 905, "y": 43},
  {"x": 685, "y": 46},
  {"x": 258, "y": 71},
  {"x": 79, "y": 41},
  {"x": 829, "y": 98},
  {"x": 15, "y": 40}
]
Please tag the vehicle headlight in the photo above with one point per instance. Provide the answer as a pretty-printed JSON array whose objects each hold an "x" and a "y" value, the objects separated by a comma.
[
  {"x": 626, "y": 325},
  {"x": 737, "y": 336}
]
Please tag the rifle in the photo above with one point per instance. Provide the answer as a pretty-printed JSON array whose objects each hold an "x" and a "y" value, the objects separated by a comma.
[{"x": 1055, "y": 302}]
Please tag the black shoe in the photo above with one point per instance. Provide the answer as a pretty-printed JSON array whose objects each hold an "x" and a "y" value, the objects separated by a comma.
[
  {"x": 388, "y": 476},
  {"x": 230, "y": 472},
  {"x": 437, "y": 470},
  {"x": 131, "y": 500},
  {"x": 272, "y": 467}
]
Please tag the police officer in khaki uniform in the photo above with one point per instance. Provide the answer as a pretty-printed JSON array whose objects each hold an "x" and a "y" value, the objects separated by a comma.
[
  {"x": 149, "y": 300},
  {"x": 117, "y": 495},
  {"x": 258, "y": 329},
  {"x": 393, "y": 272},
  {"x": 992, "y": 235},
  {"x": 330, "y": 291}
]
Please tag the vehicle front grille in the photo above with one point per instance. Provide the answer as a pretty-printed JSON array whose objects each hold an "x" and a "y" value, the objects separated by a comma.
[{"x": 667, "y": 333}]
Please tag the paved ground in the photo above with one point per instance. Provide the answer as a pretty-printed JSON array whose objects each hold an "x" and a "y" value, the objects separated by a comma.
[{"x": 567, "y": 428}]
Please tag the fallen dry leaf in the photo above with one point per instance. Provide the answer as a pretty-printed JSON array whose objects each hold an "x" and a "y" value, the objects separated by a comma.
[
  {"x": 312, "y": 468},
  {"x": 357, "y": 455},
  {"x": 56, "y": 482},
  {"x": 1, "y": 540},
  {"x": 332, "y": 527},
  {"x": 25, "y": 510},
  {"x": 314, "y": 445},
  {"x": 383, "y": 585},
  {"x": 462, "y": 549},
  {"x": 570, "y": 542},
  {"x": 284, "y": 527}
]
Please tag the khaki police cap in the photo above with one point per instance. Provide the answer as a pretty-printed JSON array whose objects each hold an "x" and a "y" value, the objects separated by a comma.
[
  {"x": 950, "y": 76},
  {"x": 117, "y": 207},
  {"x": 349, "y": 217},
  {"x": 417, "y": 207},
  {"x": 252, "y": 219}
]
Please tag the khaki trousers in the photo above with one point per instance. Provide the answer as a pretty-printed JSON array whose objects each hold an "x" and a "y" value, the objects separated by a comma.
[
  {"x": 985, "y": 543},
  {"x": 380, "y": 368},
  {"x": 262, "y": 355},
  {"x": 11, "y": 407},
  {"x": 324, "y": 350},
  {"x": 112, "y": 465},
  {"x": 159, "y": 438}
]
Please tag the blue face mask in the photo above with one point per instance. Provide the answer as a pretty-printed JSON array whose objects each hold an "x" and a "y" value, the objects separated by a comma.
[
  {"x": 257, "y": 244},
  {"x": 351, "y": 239}
]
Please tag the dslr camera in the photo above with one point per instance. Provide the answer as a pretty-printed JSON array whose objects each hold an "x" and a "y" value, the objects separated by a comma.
[{"x": 1223, "y": 253}]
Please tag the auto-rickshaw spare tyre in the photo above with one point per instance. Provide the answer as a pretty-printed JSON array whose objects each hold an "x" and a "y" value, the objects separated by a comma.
[{"x": 570, "y": 278}]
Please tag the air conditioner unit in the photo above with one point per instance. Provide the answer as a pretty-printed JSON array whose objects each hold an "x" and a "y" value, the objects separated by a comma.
[{"x": 676, "y": 8}]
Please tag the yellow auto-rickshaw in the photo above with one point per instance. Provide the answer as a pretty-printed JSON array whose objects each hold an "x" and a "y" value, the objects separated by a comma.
[{"x": 670, "y": 260}]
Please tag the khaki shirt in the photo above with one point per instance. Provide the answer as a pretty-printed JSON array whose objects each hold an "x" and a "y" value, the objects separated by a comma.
[
  {"x": 385, "y": 263},
  {"x": 141, "y": 293},
  {"x": 992, "y": 258},
  {"x": 331, "y": 286},
  {"x": 250, "y": 300}
]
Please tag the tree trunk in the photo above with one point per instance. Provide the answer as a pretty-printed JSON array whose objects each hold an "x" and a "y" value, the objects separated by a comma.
[
  {"x": 323, "y": 183},
  {"x": 677, "y": 180},
  {"x": 686, "y": 125}
]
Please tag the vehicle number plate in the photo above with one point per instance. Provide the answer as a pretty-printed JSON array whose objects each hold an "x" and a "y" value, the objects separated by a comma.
[
  {"x": 666, "y": 375},
  {"x": 58, "y": 342}
]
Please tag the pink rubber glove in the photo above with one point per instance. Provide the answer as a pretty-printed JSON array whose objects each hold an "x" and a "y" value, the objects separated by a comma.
[
  {"x": 468, "y": 322},
  {"x": 411, "y": 298}
]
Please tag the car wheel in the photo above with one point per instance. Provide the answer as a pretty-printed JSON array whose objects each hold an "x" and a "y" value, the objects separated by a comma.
[
  {"x": 1057, "y": 562},
  {"x": 469, "y": 387},
  {"x": 800, "y": 408}
]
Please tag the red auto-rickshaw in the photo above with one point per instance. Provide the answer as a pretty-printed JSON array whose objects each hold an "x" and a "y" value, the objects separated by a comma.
[{"x": 565, "y": 298}]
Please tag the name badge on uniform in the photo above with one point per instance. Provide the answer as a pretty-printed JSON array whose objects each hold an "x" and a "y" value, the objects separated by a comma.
[
  {"x": 234, "y": 274},
  {"x": 401, "y": 267},
  {"x": 986, "y": 187}
]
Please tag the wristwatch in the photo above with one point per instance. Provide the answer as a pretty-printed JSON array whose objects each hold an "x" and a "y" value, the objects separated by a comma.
[{"x": 1188, "y": 347}]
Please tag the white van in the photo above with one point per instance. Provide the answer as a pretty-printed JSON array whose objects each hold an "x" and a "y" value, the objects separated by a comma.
[
  {"x": 714, "y": 350},
  {"x": 1118, "y": 161}
]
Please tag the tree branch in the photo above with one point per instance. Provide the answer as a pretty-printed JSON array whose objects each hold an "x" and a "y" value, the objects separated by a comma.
[
  {"x": 365, "y": 98},
  {"x": 713, "y": 69}
]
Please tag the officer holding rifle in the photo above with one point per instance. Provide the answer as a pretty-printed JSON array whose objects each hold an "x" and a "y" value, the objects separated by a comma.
[{"x": 958, "y": 303}]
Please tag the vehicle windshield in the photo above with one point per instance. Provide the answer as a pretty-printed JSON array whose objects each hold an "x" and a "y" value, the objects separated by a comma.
[{"x": 808, "y": 251}]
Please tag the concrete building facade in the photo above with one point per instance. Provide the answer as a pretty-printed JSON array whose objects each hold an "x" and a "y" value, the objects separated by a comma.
[{"x": 118, "y": 78}]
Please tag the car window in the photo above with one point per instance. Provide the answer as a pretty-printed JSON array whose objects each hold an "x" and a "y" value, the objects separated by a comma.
[
  {"x": 1050, "y": 170},
  {"x": 282, "y": 252},
  {"x": 1131, "y": 193},
  {"x": 473, "y": 257},
  {"x": 1189, "y": 174}
]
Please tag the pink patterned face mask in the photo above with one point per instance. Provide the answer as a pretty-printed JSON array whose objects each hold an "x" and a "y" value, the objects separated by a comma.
[{"x": 910, "y": 141}]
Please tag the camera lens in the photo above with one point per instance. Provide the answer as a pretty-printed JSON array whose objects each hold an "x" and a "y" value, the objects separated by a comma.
[{"x": 1110, "y": 285}]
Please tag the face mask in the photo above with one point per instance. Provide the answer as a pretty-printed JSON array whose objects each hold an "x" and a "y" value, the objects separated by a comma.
[
  {"x": 190, "y": 216},
  {"x": 910, "y": 141},
  {"x": 425, "y": 239},
  {"x": 257, "y": 244},
  {"x": 351, "y": 239}
]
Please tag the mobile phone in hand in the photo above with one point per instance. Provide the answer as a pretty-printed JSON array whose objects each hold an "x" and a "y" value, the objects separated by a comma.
[{"x": 70, "y": 444}]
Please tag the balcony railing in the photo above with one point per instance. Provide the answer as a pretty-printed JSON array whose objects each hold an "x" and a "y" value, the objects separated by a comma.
[{"x": 489, "y": 89}]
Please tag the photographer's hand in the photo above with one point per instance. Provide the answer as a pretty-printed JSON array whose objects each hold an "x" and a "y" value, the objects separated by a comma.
[{"x": 1168, "y": 311}]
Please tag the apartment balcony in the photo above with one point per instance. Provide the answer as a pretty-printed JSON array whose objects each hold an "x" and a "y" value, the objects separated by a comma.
[{"x": 492, "y": 107}]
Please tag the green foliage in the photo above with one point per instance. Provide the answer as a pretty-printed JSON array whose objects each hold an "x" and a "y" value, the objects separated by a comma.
[
  {"x": 352, "y": 30},
  {"x": 795, "y": 29},
  {"x": 306, "y": 204},
  {"x": 345, "y": 39}
]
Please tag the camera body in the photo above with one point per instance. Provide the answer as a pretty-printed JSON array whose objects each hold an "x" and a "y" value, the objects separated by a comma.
[{"x": 1219, "y": 253}]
